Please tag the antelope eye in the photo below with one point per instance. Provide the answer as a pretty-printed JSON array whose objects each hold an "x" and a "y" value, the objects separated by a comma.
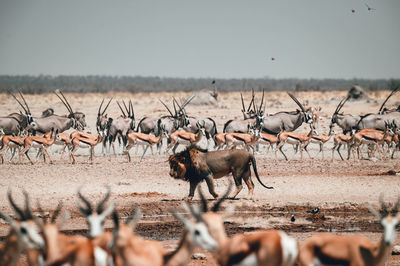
[
  {"x": 23, "y": 230},
  {"x": 196, "y": 232}
]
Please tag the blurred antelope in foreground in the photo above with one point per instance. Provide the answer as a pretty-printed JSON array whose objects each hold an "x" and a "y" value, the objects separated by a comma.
[{"x": 353, "y": 250}]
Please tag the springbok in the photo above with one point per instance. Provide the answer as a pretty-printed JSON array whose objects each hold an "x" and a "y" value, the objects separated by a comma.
[
  {"x": 268, "y": 139},
  {"x": 371, "y": 137},
  {"x": 185, "y": 138},
  {"x": 136, "y": 138},
  {"x": 241, "y": 139},
  {"x": 12, "y": 143},
  {"x": 84, "y": 140},
  {"x": 269, "y": 247},
  {"x": 294, "y": 138},
  {"x": 338, "y": 141},
  {"x": 219, "y": 140},
  {"x": 320, "y": 140},
  {"x": 353, "y": 250},
  {"x": 23, "y": 236},
  {"x": 41, "y": 143}
]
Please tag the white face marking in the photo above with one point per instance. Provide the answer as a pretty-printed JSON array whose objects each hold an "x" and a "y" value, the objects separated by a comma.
[
  {"x": 95, "y": 223},
  {"x": 289, "y": 249},
  {"x": 202, "y": 237},
  {"x": 389, "y": 229},
  {"x": 30, "y": 238},
  {"x": 100, "y": 257}
]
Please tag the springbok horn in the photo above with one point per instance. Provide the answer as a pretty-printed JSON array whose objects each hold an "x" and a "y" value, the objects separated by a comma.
[
  {"x": 66, "y": 101},
  {"x": 28, "y": 211},
  {"x": 167, "y": 108},
  {"x": 66, "y": 106},
  {"x": 89, "y": 209},
  {"x": 194, "y": 213},
  {"x": 135, "y": 215},
  {"x": 243, "y": 108},
  {"x": 396, "y": 206},
  {"x": 107, "y": 106},
  {"x": 220, "y": 200},
  {"x": 41, "y": 211},
  {"x": 123, "y": 113},
  {"x": 26, "y": 111},
  {"x": 103, "y": 201},
  {"x": 98, "y": 112},
  {"x": 9, "y": 220},
  {"x": 15, "y": 207},
  {"x": 56, "y": 212},
  {"x": 23, "y": 98},
  {"x": 204, "y": 207},
  {"x": 383, "y": 206}
]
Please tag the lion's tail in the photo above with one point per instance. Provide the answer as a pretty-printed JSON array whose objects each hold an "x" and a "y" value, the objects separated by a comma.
[{"x": 253, "y": 162}]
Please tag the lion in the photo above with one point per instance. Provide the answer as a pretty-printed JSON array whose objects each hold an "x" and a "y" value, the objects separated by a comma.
[{"x": 195, "y": 165}]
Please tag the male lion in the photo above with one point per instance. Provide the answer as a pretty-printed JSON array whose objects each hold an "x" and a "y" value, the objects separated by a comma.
[{"x": 194, "y": 165}]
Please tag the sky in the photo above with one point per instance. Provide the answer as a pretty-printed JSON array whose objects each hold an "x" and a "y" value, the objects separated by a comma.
[{"x": 207, "y": 38}]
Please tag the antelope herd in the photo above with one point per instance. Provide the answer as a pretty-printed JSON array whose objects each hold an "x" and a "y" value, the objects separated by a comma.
[
  {"x": 21, "y": 131},
  {"x": 43, "y": 243}
]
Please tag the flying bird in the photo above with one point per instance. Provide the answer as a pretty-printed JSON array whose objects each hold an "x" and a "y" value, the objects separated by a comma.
[
  {"x": 353, "y": 10},
  {"x": 213, "y": 82},
  {"x": 369, "y": 8},
  {"x": 272, "y": 58}
]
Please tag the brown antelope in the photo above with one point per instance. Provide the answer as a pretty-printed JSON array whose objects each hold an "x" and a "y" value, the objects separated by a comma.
[
  {"x": 39, "y": 143},
  {"x": 185, "y": 138},
  {"x": 131, "y": 249},
  {"x": 371, "y": 137},
  {"x": 84, "y": 140},
  {"x": 353, "y": 250},
  {"x": 137, "y": 138},
  {"x": 219, "y": 139},
  {"x": 338, "y": 141},
  {"x": 268, "y": 139},
  {"x": 8, "y": 142},
  {"x": 294, "y": 138},
  {"x": 269, "y": 247},
  {"x": 23, "y": 236},
  {"x": 243, "y": 139},
  {"x": 320, "y": 140},
  {"x": 63, "y": 140}
]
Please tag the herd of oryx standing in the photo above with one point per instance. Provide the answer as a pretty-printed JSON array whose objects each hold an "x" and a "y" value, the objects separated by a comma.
[{"x": 21, "y": 131}]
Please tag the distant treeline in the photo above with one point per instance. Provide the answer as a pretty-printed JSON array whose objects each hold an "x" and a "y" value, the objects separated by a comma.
[{"x": 101, "y": 84}]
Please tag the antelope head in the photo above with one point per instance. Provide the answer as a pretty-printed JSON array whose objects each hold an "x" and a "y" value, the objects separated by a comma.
[
  {"x": 26, "y": 225},
  {"x": 388, "y": 220},
  {"x": 101, "y": 123},
  {"x": 198, "y": 229},
  {"x": 79, "y": 117},
  {"x": 95, "y": 218},
  {"x": 201, "y": 125},
  {"x": 337, "y": 110}
]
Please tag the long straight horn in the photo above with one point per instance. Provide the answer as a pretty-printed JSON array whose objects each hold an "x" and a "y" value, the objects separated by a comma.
[
  {"x": 262, "y": 100},
  {"x": 180, "y": 107},
  {"x": 252, "y": 100},
  {"x": 107, "y": 106},
  {"x": 297, "y": 102},
  {"x": 103, "y": 201},
  {"x": 188, "y": 101},
  {"x": 126, "y": 109},
  {"x": 23, "y": 98},
  {"x": 15, "y": 207},
  {"x": 220, "y": 200},
  {"x": 243, "y": 108},
  {"x": 26, "y": 111},
  {"x": 173, "y": 102},
  {"x": 342, "y": 104},
  {"x": 61, "y": 99},
  {"x": 66, "y": 101},
  {"x": 133, "y": 112},
  {"x": 89, "y": 209},
  {"x": 167, "y": 108},
  {"x": 121, "y": 109},
  {"x": 98, "y": 112}
]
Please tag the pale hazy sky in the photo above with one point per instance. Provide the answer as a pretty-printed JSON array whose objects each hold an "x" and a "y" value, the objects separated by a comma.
[{"x": 221, "y": 39}]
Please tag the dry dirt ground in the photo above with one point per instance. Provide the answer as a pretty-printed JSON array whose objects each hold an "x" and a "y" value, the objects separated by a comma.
[{"x": 341, "y": 189}]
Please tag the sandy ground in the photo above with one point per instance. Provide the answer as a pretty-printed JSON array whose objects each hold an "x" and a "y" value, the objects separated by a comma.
[{"x": 340, "y": 189}]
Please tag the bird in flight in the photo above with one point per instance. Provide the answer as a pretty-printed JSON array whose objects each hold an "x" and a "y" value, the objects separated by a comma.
[
  {"x": 353, "y": 10},
  {"x": 369, "y": 8}
]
